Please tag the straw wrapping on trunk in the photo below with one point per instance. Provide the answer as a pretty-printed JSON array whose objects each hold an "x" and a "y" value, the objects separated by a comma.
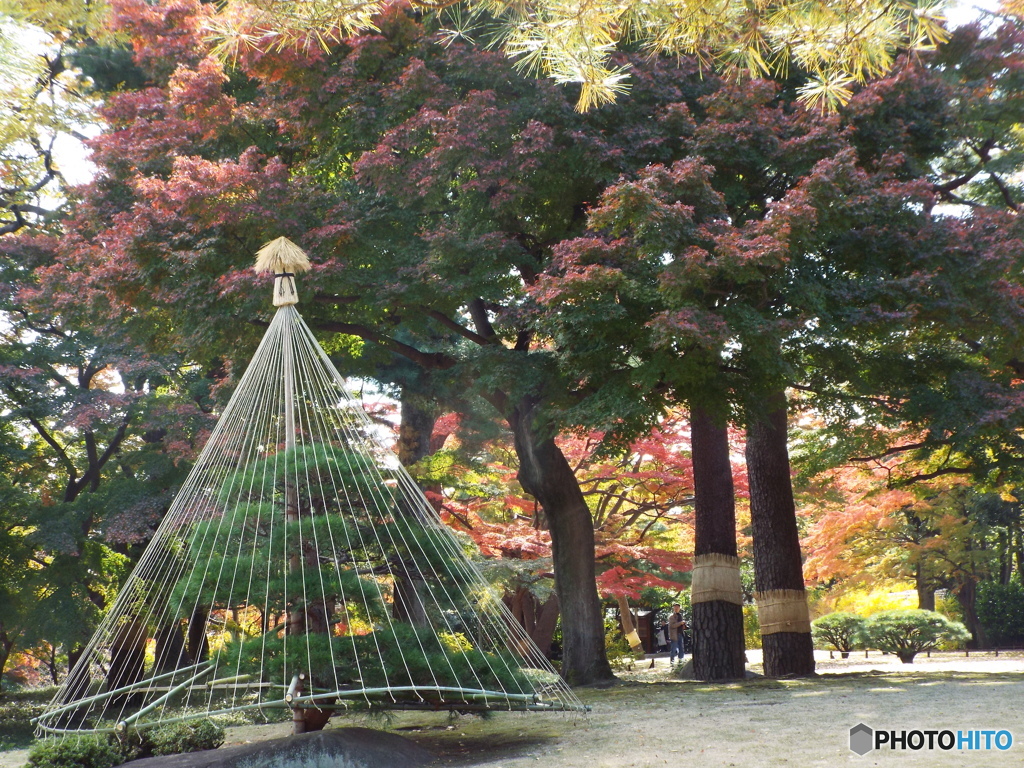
[
  {"x": 716, "y": 577},
  {"x": 782, "y": 610}
]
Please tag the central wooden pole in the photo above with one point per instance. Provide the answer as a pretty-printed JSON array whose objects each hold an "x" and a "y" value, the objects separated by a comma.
[{"x": 296, "y": 618}]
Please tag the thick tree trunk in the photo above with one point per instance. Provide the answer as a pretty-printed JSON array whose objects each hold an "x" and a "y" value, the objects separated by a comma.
[
  {"x": 127, "y": 662},
  {"x": 925, "y": 591},
  {"x": 547, "y": 620},
  {"x": 408, "y": 603},
  {"x": 197, "y": 646},
  {"x": 415, "y": 429},
  {"x": 967, "y": 596},
  {"x": 778, "y": 568},
  {"x": 170, "y": 648},
  {"x": 545, "y": 474},
  {"x": 78, "y": 678},
  {"x": 718, "y": 646},
  {"x": 538, "y": 619}
]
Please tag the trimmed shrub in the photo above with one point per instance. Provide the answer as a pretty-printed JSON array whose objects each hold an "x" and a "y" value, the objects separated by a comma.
[
  {"x": 106, "y": 751},
  {"x": 907, "y": 633},
  {"x": 1001, "y": 612},
  {"x": 840, "y": 630},
  {"x": 76, "y": 752},
  {"x": 16, "y": 713},
  {"x": 189, "y": 736}
]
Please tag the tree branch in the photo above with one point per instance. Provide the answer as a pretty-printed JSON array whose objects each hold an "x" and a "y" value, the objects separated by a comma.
[
  {"x": 1004, "y": 191},
  {"x": 937, "y": 473},
  {"x": 478, "y": 312},
  {"x": 429, "y": 360},
  {"x": 898, "y": 449},
  {"x": 57, "y": 448},
  {"x": 458, "y": 328}
]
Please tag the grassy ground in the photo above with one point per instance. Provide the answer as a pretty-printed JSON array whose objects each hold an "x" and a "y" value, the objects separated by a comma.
[{"x": 652, "y": 719}]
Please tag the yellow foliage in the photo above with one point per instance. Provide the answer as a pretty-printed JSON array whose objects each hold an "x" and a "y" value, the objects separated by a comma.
[
  {"x": 455, "y": 642},
  {"x": 865, "y": 602},
  {"x": 837, "y": 42},
  {"x": 63, "y": 19}
]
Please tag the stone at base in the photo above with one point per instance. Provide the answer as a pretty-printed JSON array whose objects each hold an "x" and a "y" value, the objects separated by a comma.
[
  {"x": 335, "y": 748},
  {"x": 684, "y": 671}
]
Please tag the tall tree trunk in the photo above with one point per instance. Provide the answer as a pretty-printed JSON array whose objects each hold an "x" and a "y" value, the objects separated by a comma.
[
  {"x": 538, "y": 619},
  {"x": 1019, "y": 550},
  {"x": 967, "y": 596},
  {"x": 414, "y": 431},
  {"x": 925, "y": 591},
  {"x": 6, "y": 646},
  {"x": 545, "y": 474},
  {"x": 170, "y": 648},
  {"x": 1005, "y": 556},
  {"x": 51, "y": 664},
  {"x": 416, "y": 427},
  {"x": 78, "y": 678},
  {"x": 197, "y": 645},
  {"x": 547, "y": 620},
  {"x": 408, "y": 600},
  {"x": 778, "y": 570},
  {"x": 127, "y": 661},
  {"x": 716, "y": 598}
]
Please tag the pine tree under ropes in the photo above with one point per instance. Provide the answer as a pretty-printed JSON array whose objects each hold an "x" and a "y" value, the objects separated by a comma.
[{"x": 300, "y": 567}]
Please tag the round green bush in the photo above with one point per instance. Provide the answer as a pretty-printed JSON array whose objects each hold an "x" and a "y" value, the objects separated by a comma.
[
  {"x": 188, "y": 736},
  {"x": 840, "y": 630},
  {"x": 76, "y": 752},
  {"x": 907, "y": 633}
]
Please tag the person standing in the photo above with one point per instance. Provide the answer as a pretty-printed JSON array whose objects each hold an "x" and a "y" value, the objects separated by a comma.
[{"x": 676, "y": 628}]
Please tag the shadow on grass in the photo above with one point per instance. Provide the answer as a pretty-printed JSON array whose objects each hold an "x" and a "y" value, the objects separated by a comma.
[{"x": 469, "y": 743}]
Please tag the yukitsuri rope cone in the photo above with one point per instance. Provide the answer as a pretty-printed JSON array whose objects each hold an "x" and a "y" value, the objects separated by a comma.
[{"x": 300, "y": 567}]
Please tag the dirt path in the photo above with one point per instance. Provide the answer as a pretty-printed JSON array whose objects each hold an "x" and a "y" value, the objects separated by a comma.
[{"x": 653, "y": 720}]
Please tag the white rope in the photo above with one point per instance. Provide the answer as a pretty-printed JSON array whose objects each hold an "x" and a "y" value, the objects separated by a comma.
[{"x": 364, "y": 590}]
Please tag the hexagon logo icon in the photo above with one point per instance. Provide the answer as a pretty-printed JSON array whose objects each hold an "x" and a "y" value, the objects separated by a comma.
[{"x": 861, "y": 739}]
